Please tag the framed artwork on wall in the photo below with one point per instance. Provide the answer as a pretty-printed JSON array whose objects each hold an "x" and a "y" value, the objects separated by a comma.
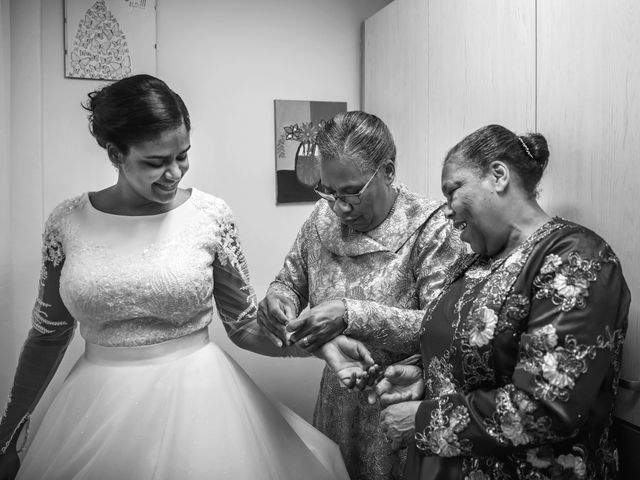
[
  {"x": 109, "y": 39},
  {"x": 297, "y": 166}
]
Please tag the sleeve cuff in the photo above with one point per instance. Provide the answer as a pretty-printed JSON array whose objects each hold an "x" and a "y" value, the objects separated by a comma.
[
  {"x": 284, "y": 290},
  {"x": 350, "y": 316},
  {"x": 345, "y": 315}
]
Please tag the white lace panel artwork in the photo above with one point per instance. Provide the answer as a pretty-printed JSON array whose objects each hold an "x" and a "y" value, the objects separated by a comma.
[{"x": 109, "y": 39}]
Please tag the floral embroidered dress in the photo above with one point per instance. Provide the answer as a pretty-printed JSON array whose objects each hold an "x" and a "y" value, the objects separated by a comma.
[
  {"x": 152, "y": 397},
  {"x": 386, "y": 277},
  {"x": 522, "y": 357}
]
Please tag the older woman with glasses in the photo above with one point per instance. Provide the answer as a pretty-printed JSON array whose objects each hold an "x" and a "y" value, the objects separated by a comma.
[{"x": 366, "y": 262}]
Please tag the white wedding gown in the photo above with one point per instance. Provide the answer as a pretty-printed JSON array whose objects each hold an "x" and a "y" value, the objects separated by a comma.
[{"x": 152, "y": 397}]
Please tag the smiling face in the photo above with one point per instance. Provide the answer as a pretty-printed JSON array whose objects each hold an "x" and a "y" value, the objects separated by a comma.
[
  {"x": 343, "y": 177},
  {"x": 151, "y": 171},
  {"x": 473, "y": 206}
]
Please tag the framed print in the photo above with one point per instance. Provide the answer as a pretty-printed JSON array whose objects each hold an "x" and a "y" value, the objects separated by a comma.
[
  {"x": 109, "y": 39},
  {"x": 297, "y": 166}
]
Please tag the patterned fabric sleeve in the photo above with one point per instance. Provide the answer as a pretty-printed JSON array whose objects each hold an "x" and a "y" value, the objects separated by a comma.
[
  {"x": 569, "y": 352},
  {"x": 235, "y": 297},
  {"x": 52, "y": 330},
  {"x": 292, "y": 282},
  {"x": 395, "y": 329}
]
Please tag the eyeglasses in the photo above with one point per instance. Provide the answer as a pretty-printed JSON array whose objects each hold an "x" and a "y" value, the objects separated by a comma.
[{"x": 350, "y": 198}]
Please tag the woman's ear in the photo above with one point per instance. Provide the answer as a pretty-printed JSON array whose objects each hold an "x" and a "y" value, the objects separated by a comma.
[
  {"x": 500, "y": 174},
  {"x": 115, "y": 155},
  {"x": 389, "y": 171}
]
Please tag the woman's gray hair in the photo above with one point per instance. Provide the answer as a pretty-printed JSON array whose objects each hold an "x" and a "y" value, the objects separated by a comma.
[{"x": 357, "y": 137}]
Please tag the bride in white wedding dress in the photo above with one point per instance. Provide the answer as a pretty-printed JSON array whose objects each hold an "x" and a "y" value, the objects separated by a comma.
[{"x": 141, "y": 267}]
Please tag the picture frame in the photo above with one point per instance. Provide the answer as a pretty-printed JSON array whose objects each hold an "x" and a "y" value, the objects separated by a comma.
[
  {"x": 297, "y": 163},
  {"x": 109, "y": 39}
]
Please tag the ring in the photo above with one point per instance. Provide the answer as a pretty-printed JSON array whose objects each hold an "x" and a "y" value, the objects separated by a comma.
[{"x": 305, "y": 341}]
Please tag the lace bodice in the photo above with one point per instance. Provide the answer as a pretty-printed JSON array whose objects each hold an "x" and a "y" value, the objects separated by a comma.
[
  {"x": 137, "y": 280},
  {"x": 130, "y": 281}
]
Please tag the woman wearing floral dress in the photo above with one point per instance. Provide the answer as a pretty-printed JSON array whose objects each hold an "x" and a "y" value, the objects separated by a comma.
[{"x": 522, "y": 349}]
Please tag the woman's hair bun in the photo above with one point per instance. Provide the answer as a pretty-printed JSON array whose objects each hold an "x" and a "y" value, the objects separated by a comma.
[{"x": 537, "y": 146}]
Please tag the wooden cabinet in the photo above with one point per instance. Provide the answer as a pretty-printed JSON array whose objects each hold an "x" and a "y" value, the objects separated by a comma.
[
  {"x": 588, "y": 104},
  {"x": 395, "y": 82}
]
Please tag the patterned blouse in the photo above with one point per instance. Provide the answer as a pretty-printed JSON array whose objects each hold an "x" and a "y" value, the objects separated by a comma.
[
  {"x": 387, "y": 277},
  {"x": 522, "y": 358}
]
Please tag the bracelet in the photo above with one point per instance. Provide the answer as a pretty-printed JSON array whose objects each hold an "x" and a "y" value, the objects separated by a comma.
[{"x": 345, "y": 315}]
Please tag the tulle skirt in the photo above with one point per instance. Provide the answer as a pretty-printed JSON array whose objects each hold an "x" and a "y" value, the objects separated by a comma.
[{"x": 181, "y": 409}]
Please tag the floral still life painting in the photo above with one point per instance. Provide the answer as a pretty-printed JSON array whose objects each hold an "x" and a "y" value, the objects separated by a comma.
[
  {"x": 297, "y": 168},
  {"x": 109, "y": 39}
]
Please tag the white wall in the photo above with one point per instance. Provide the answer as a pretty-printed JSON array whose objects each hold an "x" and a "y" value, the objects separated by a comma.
[
  {"x": 8, "y": 347},
  {"x": 228, "y": 60},
  {"x": 437, "y": 70}
]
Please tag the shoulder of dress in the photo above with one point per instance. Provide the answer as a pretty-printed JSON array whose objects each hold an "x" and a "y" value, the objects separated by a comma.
[
  {"x": 66, "y": 208},
  {"x": 574, "y": 232},
  {"x": 418, "y": 204},
  {"x": 320, "y": 208},
  {"x": 434, "y": 205},
  {"x": 437, "y": 223},
  {"x": 321, "y": 217},
  {"x": 54, "y": 230},
  {"x": 210, "y": 205},
  {"x": 573, "y": 237}
]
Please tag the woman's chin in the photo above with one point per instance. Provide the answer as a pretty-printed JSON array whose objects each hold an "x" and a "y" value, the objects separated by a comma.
[
  {"x": 475, "y": 247},
  {"x": 472, "y": 243},
  {"x": 355, "y": 223},
  {"x": 164, "y": 195}
]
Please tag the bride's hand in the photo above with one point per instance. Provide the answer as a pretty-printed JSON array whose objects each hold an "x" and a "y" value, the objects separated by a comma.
[
  {"x": 400, "y": 383},
  {"x": 350, "y": 360}
]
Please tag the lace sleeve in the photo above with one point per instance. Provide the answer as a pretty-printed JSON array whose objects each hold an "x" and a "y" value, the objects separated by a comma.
[
  {"x": 235, "y": 297},
  {"x": 233, "y": 293},
  {"x": 50, "y": 334}
]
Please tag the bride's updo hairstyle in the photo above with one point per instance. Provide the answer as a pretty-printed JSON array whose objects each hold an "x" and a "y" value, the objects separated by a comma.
[
  {"x": 526, "y": 155},
  {"x": 133, "y": 110}
]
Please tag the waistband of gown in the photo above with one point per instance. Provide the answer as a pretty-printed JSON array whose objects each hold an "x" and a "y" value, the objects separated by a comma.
[{"x": 148, "y": 354}]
